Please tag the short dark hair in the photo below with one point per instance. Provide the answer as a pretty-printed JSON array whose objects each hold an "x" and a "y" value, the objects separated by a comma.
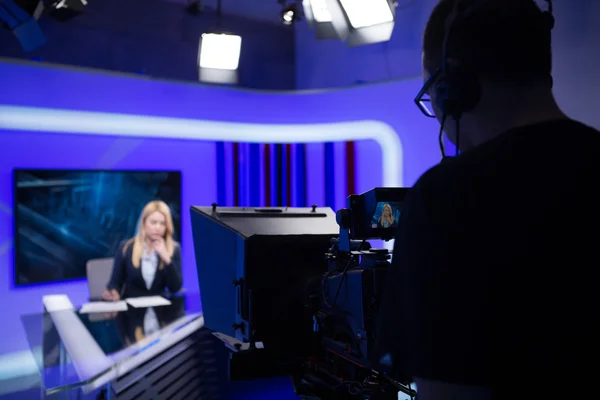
[{"x": 501, "y": 40}]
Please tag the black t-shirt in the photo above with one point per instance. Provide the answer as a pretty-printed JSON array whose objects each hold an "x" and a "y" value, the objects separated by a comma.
[{"x": 494, "y": 275}]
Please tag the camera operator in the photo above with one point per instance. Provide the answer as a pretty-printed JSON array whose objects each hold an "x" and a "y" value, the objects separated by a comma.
[{"x": 492, "y": 293}]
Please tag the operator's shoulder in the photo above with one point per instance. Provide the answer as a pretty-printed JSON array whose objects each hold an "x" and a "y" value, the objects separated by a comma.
[{"x": 443, "y": 176}]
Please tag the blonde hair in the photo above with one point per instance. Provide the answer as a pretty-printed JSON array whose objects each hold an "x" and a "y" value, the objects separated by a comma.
[
  {"x": 391, "y": 216},
  {"x": 140, "y": 239}
]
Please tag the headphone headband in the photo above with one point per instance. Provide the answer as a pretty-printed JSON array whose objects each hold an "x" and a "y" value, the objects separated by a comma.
[
  {"x": 453, "y": 96},
  {"x": 451, "y": 22},
  {"x": 547, "y": 16}
]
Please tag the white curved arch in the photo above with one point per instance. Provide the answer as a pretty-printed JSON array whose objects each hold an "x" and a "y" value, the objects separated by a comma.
[{"x": 100, "y": 123}]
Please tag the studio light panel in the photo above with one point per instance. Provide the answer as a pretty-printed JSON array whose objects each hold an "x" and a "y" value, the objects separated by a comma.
[
  {"x": 359, "y": 22},
  {"x": 362, "y": 14},
  {"x": 220, "y": 51},
  {"x": 319, "y": 10}
]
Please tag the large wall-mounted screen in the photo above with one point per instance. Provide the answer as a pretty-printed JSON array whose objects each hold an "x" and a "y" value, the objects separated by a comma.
[{"x": 63, "y": 218}]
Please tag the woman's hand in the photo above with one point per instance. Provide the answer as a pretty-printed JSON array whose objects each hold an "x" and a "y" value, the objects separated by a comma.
[
  {"x": 159, "y": 247},
  {"x": 111, "y": 295}
]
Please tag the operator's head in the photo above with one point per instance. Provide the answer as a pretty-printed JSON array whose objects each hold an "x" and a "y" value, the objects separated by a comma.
[{"x": 498, "y": 51}]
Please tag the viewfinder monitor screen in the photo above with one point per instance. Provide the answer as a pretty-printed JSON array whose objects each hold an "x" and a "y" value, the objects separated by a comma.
[
  {"x": 386, "y": 215},
  {"x": 63, "y": 218}
]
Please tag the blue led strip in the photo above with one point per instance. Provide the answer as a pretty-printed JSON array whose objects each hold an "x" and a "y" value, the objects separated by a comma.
[
  {"x": 278, "y": 187},
  {"x": 255, "y": 188},
  {"x": 236, "y": 174},
  {"x": 284, "y": 181},
  {"x": 246, "y": 177},
  {"x": 241, "y": 165},
  {"x": 221, "y": 178},
  {"x": 289, "y": 179},
  {"x": 301, "y": 198},
  {"x": 329, "y": 175},
  {"x": 273, "y": 176}
]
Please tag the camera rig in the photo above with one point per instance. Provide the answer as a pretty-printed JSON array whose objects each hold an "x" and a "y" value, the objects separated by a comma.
[{"x": 294, "y": 311}]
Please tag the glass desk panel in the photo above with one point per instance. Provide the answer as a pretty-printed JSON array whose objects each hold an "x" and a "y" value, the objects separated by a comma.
[
  {"x": 77, "y": 349},
  {"x": 55, "y": 366}
]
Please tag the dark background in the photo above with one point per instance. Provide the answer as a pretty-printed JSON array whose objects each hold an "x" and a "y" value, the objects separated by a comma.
[{"x": 65, "y": 218}]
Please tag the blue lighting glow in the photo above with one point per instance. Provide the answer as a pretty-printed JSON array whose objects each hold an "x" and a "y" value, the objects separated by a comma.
[{"x": 87, "y": 120}]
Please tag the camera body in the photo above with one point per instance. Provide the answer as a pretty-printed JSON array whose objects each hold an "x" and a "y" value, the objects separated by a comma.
[
  {"x": 296, "y": 291},
  {"x": 348, "y": 308},
  {"x": 345, "y": 314}
]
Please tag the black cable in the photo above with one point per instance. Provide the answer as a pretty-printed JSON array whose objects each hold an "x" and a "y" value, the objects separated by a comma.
[
  {"x": 344, "y": 272},
  {"x": 346, "y": 268},
  {"x": 324, "y": 288},
  {"x": 326, "y": 279},
  {"x": 456, "y": 149},
  {"x": 441, "y": 135}
]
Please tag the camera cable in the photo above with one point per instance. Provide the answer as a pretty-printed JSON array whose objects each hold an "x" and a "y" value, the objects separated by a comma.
[{"x": 344, "y": 273}]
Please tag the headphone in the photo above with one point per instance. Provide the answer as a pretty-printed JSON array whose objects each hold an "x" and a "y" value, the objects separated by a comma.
[{"x": 458, "y": 90}]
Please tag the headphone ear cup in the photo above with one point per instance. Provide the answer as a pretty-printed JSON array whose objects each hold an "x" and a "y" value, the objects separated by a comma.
[
  {"x": 470, "y": 90},
  {"x": 443, "y": 98}
]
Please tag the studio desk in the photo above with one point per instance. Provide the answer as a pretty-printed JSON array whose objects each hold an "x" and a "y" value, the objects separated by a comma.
[{"x": 117, "y": 356}]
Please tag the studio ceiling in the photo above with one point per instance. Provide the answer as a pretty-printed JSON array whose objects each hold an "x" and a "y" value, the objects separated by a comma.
[{"x": 264, "y": 10}]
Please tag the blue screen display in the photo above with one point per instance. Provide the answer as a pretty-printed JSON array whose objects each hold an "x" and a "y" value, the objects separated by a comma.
[{"x": 65, "y": 218}]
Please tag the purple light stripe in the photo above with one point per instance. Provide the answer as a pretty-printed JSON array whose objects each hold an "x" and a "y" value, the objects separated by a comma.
[
  {"x": 340, "y": 170},
  {"x": 315, "y": 177}
]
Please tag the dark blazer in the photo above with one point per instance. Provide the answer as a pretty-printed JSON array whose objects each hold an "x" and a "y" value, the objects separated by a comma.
[
  {"x": 393, "y": 225},
  {"x": 127, "y": 279}
]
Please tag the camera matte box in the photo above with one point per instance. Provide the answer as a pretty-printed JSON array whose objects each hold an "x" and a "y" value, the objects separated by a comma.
[{"x": 256, "y": 267}]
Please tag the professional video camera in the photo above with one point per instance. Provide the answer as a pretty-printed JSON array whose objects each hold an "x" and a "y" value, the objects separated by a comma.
[{"x": 282, "y": 308}]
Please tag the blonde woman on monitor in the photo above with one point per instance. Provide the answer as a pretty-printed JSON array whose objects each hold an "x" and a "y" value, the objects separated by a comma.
[
  {"x": 150, "y": 262},
  {"x": 387, "y": 219}
]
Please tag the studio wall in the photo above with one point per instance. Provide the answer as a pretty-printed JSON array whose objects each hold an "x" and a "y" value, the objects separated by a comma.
[
  {"x": 331, "y": 63},
  {"x": 576, "y": 55},
  {"x": 131, "y": 122}
]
